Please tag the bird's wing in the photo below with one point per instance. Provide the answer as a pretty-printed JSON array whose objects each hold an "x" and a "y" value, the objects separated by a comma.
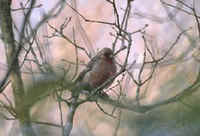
[{"x": 87, "y": 69}]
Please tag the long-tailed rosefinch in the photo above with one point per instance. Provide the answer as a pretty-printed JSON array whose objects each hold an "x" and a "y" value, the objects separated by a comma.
[{"x": 98, "y": 70}]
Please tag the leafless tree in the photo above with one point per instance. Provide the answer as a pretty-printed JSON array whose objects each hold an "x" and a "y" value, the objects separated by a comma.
[{"x": 28, "y": 53}]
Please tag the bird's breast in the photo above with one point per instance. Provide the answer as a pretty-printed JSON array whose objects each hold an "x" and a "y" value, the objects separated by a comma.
[{"x": 101, "y": 72}]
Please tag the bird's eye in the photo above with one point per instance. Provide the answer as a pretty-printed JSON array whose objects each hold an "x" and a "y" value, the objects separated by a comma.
[{"x": 108, "y": 54}]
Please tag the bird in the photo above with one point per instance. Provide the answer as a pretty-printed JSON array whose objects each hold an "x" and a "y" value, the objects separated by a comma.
[{"x": 98, "y": 70}]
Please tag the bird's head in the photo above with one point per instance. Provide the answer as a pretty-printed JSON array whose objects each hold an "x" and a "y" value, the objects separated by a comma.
[{"x": 107, "y": 53}]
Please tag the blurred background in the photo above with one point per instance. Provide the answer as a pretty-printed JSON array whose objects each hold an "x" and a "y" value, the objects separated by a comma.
[{"x": 176, "y": 72}]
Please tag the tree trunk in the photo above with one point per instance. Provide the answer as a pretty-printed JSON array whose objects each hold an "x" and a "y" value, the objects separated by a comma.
[{"x": 13, "y": 65}]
